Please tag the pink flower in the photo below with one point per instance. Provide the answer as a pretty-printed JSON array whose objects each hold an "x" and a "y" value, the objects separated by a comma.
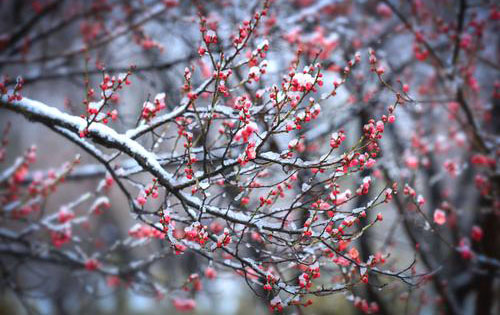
[
  {"x": 380, "y": 126},
  {"x": 64, "y": 215},
  {"x": 184, "y": 305},
  {"x": 91, "y": 264},
  {"x": 439, "y": 217},
  {"x": 411, "y": 162},
  {"x": 476, "y": 233},
  {"x": 384, "y": 10},
  {"x": 353, "y": 252},
  {"x": 245, "y": 201},
  {"x": 61, "y": 237},
  {"x": 141, "y": 200},
  {"x": 464, "y": 249},
  {"x": 113, "y": 281},
  {"x": 210, "y": 273},
  {"x": 370, "y": 163}
]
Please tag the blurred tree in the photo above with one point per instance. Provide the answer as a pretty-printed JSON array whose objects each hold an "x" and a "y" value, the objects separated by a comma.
[{"x": 292, "y": 149}]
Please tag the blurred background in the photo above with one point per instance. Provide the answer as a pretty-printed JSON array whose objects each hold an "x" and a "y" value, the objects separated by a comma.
[{"x": 43, "y": 41}]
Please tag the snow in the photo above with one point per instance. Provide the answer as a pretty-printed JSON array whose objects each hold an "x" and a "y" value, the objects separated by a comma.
[
  {"x": 305, "y": 187},
  {"x": 160, "y": 97},
  {"x": 11, "y": 170},
  {"x": 105, "y": 134},
  {"x": 149, "y": 106},
  {"x": 146, "y": 159},
  {"x": 263, "y": 44},
  {"x": 297, "y": 162},
  {"x": 226, "y": 110},
  {"x": 254, "y": 71},
  {"x": 96, "y": 105},
  {"x": 303, "y": 79},
  {"x": 271, "y": 156},
  {"x": 98, "y": 202},
  {"x": 233, "y": 216}
]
